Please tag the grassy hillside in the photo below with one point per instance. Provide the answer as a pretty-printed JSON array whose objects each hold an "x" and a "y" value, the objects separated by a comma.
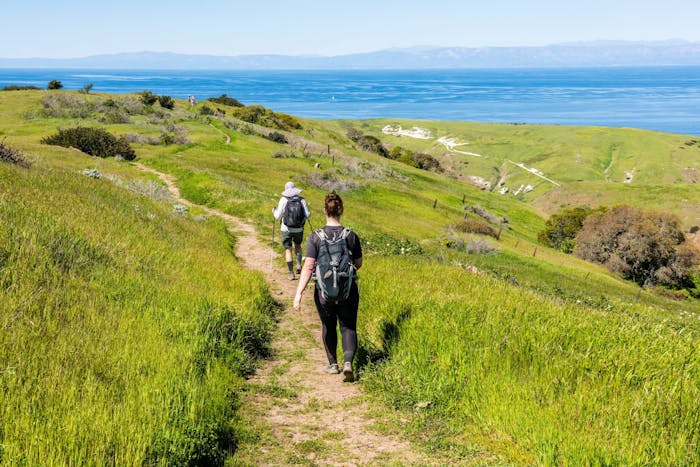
[
  {"x": 589, "y": 164},
  {"x": 523, "y": 354},
  {"x": 125, "y": 328}
]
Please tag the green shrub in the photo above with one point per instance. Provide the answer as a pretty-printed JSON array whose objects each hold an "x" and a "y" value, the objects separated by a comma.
[
  {"x": 166, "y": 102},
  {"x": 54, "y": 84},
  {"x": 115, "y": 116},
  {"x": 59, "y": 105},
  {"x": 385, "y": 244},
  {"x": 14, "y": 87},
  {"x": 261, "y": 116},
  {"x": 148, "y": 98},
  {"x": 426, "y": 162},
  {"x": 93, "y": 141},
  {"x": 251, "y": 113},
  {"x": 206, "y": 110},
  {"x": 284, "y": 121},
  {"x": 561, "y": 229},
  {"x": 477, "y": 226},
  {"x": 226, "y": 100},
  {"x": 87, "y": 88},
  {"x": 277, "y": 137}
]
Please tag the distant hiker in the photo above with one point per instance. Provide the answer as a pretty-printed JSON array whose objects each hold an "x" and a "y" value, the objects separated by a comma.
[
  {"x": 293, "y": 211},
  {"x": 192, "y": 100},
  {"x": 334, "y": 254}
]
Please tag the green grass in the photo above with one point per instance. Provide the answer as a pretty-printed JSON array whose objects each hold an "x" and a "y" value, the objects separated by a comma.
[
  {"x": 525, "y": 377},
  {"x": 126, "y": 330}
]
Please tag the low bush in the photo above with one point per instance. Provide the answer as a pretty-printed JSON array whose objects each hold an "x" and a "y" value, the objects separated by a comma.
[
  {"x": 59, "y": 105},
  {"x": 12, "y": 156},
  {"x": 426, "y": 162},
  {"x": 265, "y": 117},
  {"x": 328, "y": 181},
  {"x": 148, "y": 98},
  {"x": 367, "y": 142},
  {"x": 277, "y": 137},
  {"x": 488, "y": 216},
  {"x": 385, "y": 244},
  {"x": 54, "y": 84},
  {"x": 479, "y": 246},
  {"x": 226, "y": 100},
  {"x": 93, "y": 141},
  {"x": 14, "y": 87},
  {"x": 477, "y": 226},
  {"x": 115, "y": 116},
  {"x": 206, "y": 110},
  {"x": 166, "y": 102}
]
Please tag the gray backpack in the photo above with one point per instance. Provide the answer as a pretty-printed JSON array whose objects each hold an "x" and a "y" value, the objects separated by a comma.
[{"x": 335, "y": 270}]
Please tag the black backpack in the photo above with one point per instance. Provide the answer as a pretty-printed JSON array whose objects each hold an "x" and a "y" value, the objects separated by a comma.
[
  {"x": 294, "y": 215},
  {"x": 335, "y": 270}
]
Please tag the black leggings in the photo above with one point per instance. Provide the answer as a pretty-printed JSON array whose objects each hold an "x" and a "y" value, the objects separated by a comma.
[{"x": 344, "y": 313}]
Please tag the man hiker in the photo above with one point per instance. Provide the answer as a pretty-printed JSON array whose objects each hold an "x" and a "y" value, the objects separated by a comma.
[{"x": 293, "y": 212}]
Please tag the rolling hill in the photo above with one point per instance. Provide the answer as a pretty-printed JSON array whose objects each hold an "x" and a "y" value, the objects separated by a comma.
[{"x": 128, "y": 327}]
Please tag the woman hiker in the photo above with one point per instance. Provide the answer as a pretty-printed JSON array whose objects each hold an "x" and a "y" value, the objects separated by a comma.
[
  {"x": 334, "y": 306},
  {"x": 293, "y": 210}
]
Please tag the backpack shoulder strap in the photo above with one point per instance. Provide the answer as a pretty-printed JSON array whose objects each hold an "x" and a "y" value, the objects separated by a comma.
[{"x": 321, "y": 236}]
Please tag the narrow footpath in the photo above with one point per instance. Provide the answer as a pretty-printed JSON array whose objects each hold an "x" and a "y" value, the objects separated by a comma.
[{"x": 302, "y": 415}]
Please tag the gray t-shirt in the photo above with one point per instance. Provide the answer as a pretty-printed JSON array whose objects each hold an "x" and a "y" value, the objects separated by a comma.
[{"x": 332, "y": 232}]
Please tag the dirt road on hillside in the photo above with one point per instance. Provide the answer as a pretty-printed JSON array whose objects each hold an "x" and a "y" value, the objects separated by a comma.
[{"x": 305, "y": 415}]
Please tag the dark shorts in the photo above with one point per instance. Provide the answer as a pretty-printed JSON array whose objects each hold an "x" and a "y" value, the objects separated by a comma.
[{"x": 289, "y": 237}]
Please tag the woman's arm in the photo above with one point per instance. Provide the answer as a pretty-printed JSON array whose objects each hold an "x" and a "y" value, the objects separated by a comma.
[
  {"x": 304, "y": 278},
  {"x": 357, "y": 262}
]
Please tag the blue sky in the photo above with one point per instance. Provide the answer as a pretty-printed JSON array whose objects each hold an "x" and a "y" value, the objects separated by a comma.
[{"x": 76, "y": 28}]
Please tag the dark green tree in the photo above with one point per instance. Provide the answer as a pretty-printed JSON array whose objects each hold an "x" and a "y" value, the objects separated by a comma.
[{"x": 561, "y": 229}]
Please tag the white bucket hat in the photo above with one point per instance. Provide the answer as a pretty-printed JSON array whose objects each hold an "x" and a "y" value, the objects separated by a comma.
[{"x": 290, "y": 190}]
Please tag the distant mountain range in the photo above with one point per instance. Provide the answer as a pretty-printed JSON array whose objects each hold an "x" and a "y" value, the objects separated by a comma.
[{"x": 583, "y": 54}]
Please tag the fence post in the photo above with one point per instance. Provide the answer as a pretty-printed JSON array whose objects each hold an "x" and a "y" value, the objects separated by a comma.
[{"x": 435, "y": 204}]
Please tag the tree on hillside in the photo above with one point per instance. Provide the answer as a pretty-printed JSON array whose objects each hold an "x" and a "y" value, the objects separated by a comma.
[
  {"x": 561, "y": 229},
  {"x": 646, "y": 247},
  {"x": 54, "y": 84}
]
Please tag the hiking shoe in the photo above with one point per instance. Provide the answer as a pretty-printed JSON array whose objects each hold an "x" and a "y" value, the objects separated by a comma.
[
  {"x": 333, "y": 369},
  {"x": 291, "y": 276},
  {"x": 298, "y": 269},
  {"x": 348, "y": 376}
]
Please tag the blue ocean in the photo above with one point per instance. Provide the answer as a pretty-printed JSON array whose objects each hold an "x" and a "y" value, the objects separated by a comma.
[{"x": 654, "y": 98}]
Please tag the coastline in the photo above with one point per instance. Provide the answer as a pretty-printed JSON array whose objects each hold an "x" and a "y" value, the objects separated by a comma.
[{"x": 665, "y": 99}]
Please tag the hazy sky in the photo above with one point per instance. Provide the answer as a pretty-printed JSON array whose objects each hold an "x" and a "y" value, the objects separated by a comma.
[{"x": 76, "y": 28}]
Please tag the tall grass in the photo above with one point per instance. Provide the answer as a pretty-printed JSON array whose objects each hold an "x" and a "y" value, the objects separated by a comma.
[
  {"x": 481, "y": 365},
  {"x": 125, "y": 330}
]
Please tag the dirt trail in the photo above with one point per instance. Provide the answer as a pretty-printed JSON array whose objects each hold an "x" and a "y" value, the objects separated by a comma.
[{"x": 306, "y": 416}]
